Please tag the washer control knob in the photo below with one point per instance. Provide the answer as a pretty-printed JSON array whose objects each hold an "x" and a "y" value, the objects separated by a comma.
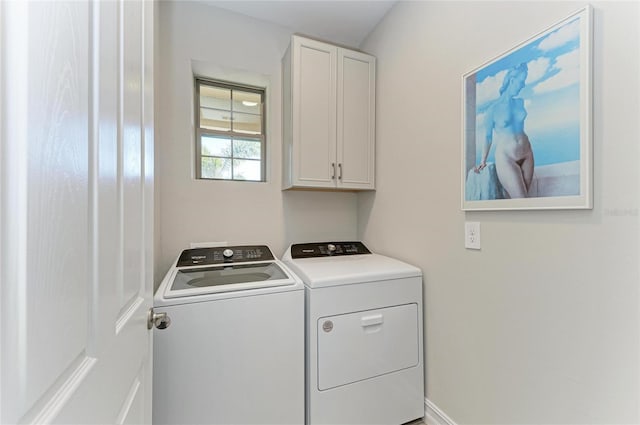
[
  {"x": 331, "y": 247},
  {"x": 227, "y": 253}
]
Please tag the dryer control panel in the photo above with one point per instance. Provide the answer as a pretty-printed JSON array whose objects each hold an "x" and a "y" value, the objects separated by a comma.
[
  {"x": 224, "y": 254},
  {"x": 327, "y": 249}
]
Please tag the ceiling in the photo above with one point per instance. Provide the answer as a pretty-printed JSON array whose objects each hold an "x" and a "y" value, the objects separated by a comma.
[{"x": 346, "y": 22}]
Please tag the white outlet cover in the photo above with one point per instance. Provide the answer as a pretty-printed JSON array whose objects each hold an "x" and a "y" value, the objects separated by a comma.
[{"x": 472, "y": 235}]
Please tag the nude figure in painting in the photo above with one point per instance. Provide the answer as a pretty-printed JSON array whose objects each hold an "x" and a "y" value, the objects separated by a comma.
[{"x": 504, "y": 125}]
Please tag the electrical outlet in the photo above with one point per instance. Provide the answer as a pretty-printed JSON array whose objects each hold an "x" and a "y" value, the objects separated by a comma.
[{"x": 472, "y": 235}]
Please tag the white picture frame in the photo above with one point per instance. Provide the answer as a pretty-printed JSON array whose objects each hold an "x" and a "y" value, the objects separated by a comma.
[{"x": 527, "y": 123}]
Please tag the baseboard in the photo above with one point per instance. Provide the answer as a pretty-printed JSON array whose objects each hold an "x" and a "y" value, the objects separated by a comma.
[{"x": 434, "y": 416}]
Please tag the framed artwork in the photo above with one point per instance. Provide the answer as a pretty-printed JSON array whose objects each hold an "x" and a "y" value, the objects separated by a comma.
[{"x": 527, "y": 123}]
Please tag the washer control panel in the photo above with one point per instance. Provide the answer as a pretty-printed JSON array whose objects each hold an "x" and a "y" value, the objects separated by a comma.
[
  {"x": 224, "y": 254},
  {"x": 327, "y": 249}
]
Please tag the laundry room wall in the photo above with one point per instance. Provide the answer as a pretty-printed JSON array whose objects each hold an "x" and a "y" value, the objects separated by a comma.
[
  {"x": 542, "y": 324},
  {"x": 196, "y": 37}
]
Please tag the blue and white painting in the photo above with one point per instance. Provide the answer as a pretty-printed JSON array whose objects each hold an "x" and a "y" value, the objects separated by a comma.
[{"x": 523, "y": 118}]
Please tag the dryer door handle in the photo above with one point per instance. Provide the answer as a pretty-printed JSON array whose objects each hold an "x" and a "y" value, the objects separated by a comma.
[{"x": 372, "y": 320}]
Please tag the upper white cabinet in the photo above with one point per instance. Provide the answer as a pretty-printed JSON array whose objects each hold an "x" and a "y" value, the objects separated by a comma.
[{"x": 329, "y": 117}]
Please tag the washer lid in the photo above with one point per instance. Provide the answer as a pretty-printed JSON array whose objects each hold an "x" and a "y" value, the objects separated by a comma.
[
  {"x": 189, "y": 281},
  {"x": 343, "y": 270}
]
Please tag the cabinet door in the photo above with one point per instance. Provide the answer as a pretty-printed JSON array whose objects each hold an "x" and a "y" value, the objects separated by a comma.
[
  {"x": 314, "y": 113},
  {"x": 356, "y": 120}
]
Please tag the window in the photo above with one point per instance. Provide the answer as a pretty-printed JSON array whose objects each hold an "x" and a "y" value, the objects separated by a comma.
[{"x": 230, "y": 139}]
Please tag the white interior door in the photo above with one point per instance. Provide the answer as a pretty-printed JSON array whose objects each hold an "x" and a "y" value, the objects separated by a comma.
[{"x": 76, "y": 193}]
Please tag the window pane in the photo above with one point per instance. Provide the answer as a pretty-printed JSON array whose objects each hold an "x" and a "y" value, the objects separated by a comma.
[
  {"x": 248, "y": 149},
  {"x": 246, "y": 169},
  {"x": 247, "y": 102},
  {"x": 230, "y": 125},
  {"x": 247, "y": 123},
  {"x": 215, "y": 97},
  {"x": 216, "y": 146},
  {"x": 216, "y": 168},
  {"x": 215, "y": 119}
]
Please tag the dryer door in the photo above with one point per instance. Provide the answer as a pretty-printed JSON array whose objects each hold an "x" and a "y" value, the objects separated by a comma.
[{"x": 361, "y": 345}]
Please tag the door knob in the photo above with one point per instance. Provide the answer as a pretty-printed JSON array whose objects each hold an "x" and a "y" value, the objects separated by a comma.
[{"x": 159, "y": 320}]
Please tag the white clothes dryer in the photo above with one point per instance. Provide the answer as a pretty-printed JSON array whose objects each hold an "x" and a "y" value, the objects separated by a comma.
[
  {"x": 234, "y": 350},
  {"x": 364, "y": 352}
]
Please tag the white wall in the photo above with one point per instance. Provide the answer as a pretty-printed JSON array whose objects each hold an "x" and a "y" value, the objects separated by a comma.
[
  {"x": 222, "y": 44},
  {"x": 541, "y": 325}
]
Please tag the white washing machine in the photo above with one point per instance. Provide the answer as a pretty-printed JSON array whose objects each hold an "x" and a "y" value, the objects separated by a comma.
[
  {"x": 231, "y": 347},
  {"x": 364, "y": 353}
]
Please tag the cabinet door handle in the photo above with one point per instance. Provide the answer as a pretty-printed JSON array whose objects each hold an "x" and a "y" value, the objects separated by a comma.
[
  {"x": 340, "y": 174},
  {"x": 333, "y": 167}
]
